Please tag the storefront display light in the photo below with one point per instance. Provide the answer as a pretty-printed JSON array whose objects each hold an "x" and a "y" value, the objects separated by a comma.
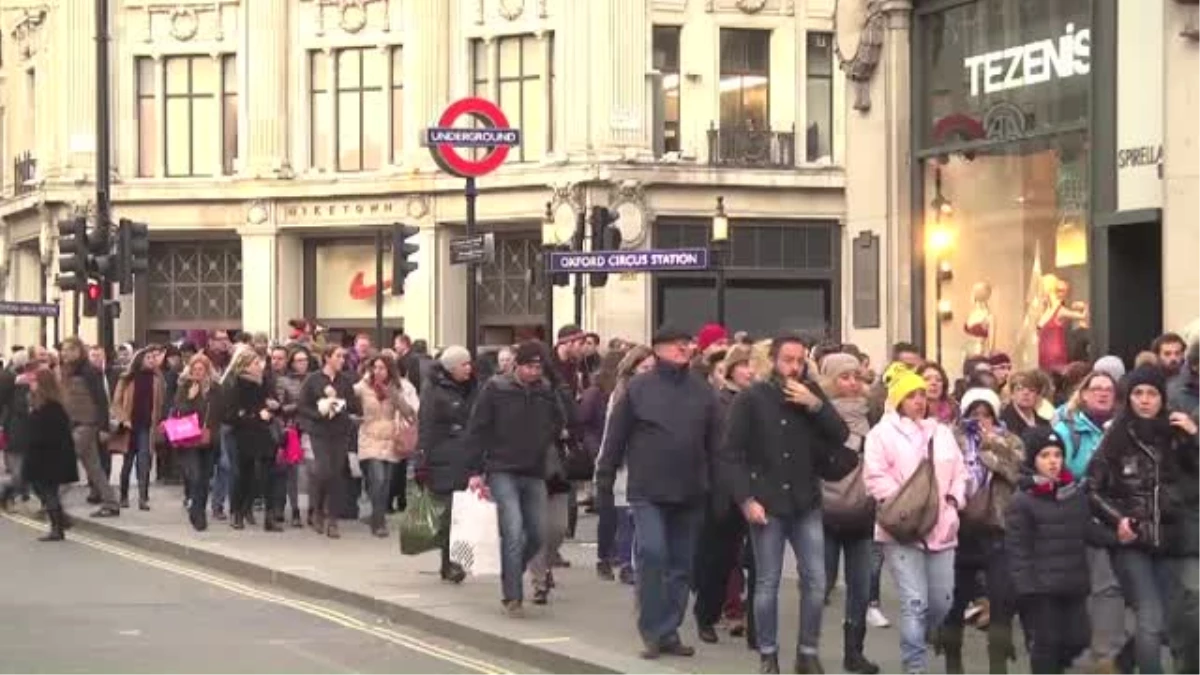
[
  {"x": 1070, "y": 243},
  {"x": 945, "y": 310},
  {"x": 941, "y": 239}
]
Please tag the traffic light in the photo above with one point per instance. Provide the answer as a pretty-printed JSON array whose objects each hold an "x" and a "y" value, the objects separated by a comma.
[
  {"x": 102, "y": 262},
  {"x": 72, "y": 254},
  {"x": 133, "y": 252},
  {"x": 605, "y": 237},
  {"x": 91, "y": 298},
  {"x": 402, "y": 251}
]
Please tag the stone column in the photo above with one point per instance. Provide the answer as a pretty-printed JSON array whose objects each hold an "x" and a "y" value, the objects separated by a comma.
[
  {"x": 897, "y": 102},
  {"x": 1181, "y": 168},
  {"x": 619, "y": 76},
  {"x": 266, "y": 53},
  {"x": 426, "y": 73},
  {"x": 877, "y": 182},
  {"x": 72, "y": 73},
  {"x": 573, "y": 78},
  {"x": 260, "y": 298}
]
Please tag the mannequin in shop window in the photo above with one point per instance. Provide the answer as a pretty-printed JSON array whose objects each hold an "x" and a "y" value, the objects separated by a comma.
[
  {"x": 980, "y": 324},
  {"x": 1054, "y": 323}
]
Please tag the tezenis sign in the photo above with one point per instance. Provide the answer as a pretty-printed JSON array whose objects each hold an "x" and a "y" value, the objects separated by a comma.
[{"x": 1031, "y": 63}]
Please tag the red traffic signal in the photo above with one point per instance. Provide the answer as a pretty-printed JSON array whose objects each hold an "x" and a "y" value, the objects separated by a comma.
[{"x": 91, "y": 299}]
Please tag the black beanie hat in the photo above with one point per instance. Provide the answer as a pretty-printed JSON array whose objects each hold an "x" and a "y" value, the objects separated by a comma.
[
  {"x": 1145, "y": 374},
  {"x": 529, "y": 352},
  {"x": 1036, "y": 439}
]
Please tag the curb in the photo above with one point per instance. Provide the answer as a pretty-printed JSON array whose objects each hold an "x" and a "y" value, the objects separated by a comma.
[{"x": 530, "y": 654}]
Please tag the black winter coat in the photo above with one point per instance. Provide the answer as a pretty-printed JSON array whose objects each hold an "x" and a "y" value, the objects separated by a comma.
[
  {"x": 442, "y": 431},
  {"x": 1153, "y": 483},
  {"x": 251, "y": 432},
  {"x": 1045, "y": 538},
  {"x": 50, "y": 458},
  {"x": 774, "y": 450},
  {"x": 16, "y": 419},
  {"x": 309, "y": 416},
  {"x": 514, "y": 425},
  {"x": 665, "y": 429}
]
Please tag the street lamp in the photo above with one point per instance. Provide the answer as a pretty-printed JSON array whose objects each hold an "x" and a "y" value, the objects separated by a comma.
[
  {"x": 549, "y": 244},
  {"x": 720, "y": 238}
]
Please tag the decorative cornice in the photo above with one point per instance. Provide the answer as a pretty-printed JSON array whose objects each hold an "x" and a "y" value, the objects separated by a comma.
[{"x": 867, "y": 17}]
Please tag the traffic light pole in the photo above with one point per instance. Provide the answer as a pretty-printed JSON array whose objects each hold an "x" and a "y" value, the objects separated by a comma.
[
  {"x": 104, "y": 317},
  {"x": 379, "y": 289},
  {"x": 580, "y": 238}
]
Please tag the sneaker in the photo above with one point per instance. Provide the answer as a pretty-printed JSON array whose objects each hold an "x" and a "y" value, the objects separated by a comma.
[
  {"x": 604, "y": 570},
  {"x": 513, "y": 609},
  {"x": 541, "y": 596},
  {"x": 876, "y": 618}
]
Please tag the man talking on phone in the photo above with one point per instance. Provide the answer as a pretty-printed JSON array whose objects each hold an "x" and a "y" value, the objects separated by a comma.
[{"x": 779, "y": 430}]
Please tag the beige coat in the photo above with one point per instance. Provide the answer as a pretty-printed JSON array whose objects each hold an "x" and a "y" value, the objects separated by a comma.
[{"x": 383, "y": 426}]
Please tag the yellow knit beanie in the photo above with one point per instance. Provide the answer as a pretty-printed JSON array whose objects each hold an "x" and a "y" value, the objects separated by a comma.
[{"x": 901, "y": 381}]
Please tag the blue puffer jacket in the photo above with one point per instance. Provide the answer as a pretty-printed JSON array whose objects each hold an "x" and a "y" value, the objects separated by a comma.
[{"x": 1081, "y": 436}]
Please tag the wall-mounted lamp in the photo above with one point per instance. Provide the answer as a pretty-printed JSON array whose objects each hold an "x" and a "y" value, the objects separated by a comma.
[
  {"x": 944, "y": 311},
  {"x": 945, "y": 272}
]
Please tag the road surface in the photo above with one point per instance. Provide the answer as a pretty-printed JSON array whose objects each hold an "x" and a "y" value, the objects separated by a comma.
[{"x": 86, "y": 605}]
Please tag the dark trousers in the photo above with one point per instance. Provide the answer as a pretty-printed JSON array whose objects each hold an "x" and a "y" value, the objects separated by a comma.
[
  {"x": 140, "y": 453},
  {"x": 665, "y": 550},
  {"x": 444, "y": 500},
  {"x": 859, "y": 551},
  {"x": 49, "y": 496},
  {"x": 1058, "y": 629},
  {"x": 327, "y": 492},
  {"x": 106, "y": 460},
  {"x": 398, "y": 488},
  {"x": 717, "y": 555},
  {"x": 606, "y": 527},
  {"x": 983, "y": 554},
  {"x": 197, "y": 467},
  {"x": 257, "y": 475}
]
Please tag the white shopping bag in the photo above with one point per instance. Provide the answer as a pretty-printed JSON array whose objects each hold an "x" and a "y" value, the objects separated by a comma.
[{"x": 474, "y": 534}]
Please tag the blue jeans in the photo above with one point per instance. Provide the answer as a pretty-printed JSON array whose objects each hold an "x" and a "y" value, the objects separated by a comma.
[
  {"x": 925, "y": 583},
  {"x": 1158, "y": 587},
  {"x": 625, "y": 531},
  {"x": 223, "y": 471},
  {"x": 806, "y": 535},
  {"x": 521, "y": 508},
  {"x": 379, "y": 488},
  {"x": 664, "y": 546},
  {"x": 859, "y": 562}
]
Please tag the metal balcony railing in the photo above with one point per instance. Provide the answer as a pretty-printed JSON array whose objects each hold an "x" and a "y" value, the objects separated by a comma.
[
  {"x": 751, "y": 148},
  {"x": 24, "y": 171}
]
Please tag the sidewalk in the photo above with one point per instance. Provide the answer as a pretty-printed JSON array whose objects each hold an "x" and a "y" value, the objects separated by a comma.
[{"x": 588, "y": 627}]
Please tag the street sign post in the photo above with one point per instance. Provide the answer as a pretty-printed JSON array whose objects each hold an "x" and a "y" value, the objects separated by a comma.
[
  {"x": 475, "y": 249},
  {"x": 651, "y": 260},
  {"x": 444, "y": 141}
]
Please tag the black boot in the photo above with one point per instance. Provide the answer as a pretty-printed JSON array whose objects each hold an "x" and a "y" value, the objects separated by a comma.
[
  {"x": 853, "y": 660},
  {"x": 1000, "y": 647},
  {"x": 57, "y": 531},
  {"x": 768, "y": 663},
  {"x": 809, "y": 664},
  {"x": 951, "y": 641}
]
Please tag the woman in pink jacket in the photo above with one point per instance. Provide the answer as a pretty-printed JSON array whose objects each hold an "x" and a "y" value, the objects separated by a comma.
[{"x": 923, "y": 572}]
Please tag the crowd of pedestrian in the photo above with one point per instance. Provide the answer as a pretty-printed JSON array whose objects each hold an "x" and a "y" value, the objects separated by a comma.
[{"x": 1052, "y": 501}]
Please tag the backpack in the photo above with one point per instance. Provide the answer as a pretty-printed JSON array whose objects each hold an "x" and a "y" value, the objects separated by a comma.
[{"x": 911, "y": 514}]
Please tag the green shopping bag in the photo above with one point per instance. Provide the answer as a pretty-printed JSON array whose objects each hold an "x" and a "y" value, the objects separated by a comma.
[{"x": 419, "y": 525}]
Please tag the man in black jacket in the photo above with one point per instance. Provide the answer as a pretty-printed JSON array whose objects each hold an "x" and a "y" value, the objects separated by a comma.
[
  {"x": 665, "y": 429},
  {"x": 517, "y": 420},
  {"x": 780, "y": 433}
]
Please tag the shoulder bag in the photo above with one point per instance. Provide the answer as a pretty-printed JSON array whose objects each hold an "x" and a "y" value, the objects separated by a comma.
[{"x": 913, "y": 511}]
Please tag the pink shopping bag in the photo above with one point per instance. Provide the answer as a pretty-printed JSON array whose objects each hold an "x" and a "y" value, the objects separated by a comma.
[{"x": 182, "y": 431}]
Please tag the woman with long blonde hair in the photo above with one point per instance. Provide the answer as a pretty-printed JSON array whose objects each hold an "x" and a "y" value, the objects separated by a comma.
[{"x": 195, "y": 396}]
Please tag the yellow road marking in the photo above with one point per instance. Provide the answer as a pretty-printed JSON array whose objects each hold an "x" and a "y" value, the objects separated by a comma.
[{"x": 332, "y": 616}]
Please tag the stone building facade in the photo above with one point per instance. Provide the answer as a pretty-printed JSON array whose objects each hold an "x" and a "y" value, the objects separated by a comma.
[{"x": 264, "y": 141}]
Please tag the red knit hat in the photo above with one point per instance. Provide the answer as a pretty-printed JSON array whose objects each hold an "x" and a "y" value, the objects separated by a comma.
[{"x": 710, "y": 334}]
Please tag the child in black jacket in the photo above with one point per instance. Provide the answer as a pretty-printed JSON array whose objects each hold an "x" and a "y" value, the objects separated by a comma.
[{"x": 1045, "y": 537}]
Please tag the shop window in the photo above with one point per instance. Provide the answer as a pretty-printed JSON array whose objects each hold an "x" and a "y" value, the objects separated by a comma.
[
  {"x": 1006, "y": 254},
  {"x": 192, "y": 117},
  {"x": 352, "y": 92},
  {"x": 769, "y": 246},
  {"x": 229, "y": 114},
  {"x": 666, "y": 61},
  {"x": 194, "y": 285},
  {"x": 522, "y": 74},
  {"x": 148, "y": 123},
  {"x": 818, "y": 88},
  {"x": 745, "y": 79}
]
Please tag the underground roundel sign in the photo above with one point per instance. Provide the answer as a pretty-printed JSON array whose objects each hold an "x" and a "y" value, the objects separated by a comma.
[{"x": 446, "y": 139}]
